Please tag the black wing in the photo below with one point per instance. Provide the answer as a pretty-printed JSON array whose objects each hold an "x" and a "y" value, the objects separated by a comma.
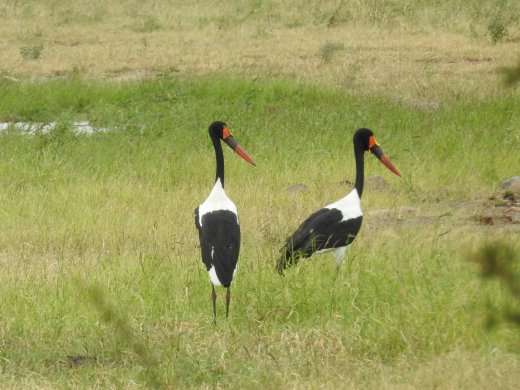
[
  {"x": 322, "y": 230},
  {"x": 219, "y": 235},
  {"x": 197, "y": 224}
]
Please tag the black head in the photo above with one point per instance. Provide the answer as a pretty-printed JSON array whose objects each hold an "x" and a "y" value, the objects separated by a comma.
[
  {"x": 219, "y": 131},
  {"x": 216, "y": 129},
  {"x": 364, "y": 140}
]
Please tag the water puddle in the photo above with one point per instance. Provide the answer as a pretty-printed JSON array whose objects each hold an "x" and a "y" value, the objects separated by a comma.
[{"x": 31, "y": 128}]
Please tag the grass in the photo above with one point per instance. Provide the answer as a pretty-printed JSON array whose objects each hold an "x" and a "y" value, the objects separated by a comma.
[
  {"x": 99, "y": 253},
  {"x": 432, "y": 51},
  {"x": 328, "y": 49},
  {"x": 101, "y": 281}
]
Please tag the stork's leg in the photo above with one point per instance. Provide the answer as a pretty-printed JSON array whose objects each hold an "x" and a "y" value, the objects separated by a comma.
[
  {"x": 214, "y": 300},
  {"x": 228, "y": 298},
  {"x": 340, "y": 256}
]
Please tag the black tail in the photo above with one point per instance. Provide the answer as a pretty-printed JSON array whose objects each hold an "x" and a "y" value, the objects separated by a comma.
[
  {"x": 283, "y": 261},
  {"x": 288, "y": 258},
  {"x": 281, "y": 264}
]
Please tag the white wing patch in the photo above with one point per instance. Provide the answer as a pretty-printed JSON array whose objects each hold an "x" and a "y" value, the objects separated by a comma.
[
  {"x": 217, "y": 200},
  {"x": 325, "y": 250},
  {"x": 213, "y": 276},
  {"x": 350, "y": 206}
]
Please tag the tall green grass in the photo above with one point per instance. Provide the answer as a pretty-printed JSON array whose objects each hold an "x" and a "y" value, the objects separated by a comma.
[
  {"x": 170, "y": 116},
  {"x": 113, "y": 213}
]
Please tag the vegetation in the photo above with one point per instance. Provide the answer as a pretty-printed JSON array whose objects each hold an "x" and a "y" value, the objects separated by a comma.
[
  {"x": 428, "y": 51},
  {"x": 498, "y": 260},
  {"x": 512, "y": 74},
  {"x": 115, "y": 210},
  {"x": 101, "y": 281}
]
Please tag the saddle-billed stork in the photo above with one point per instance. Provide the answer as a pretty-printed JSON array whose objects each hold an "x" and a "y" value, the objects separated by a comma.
[
  {"x": 217, "y": 221},
  {"x": 336, "y": 225}
]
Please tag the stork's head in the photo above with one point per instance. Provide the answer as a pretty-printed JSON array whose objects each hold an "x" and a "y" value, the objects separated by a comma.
[
  {"x": 365, "y": 140},
  {"x": 219, "y": 131}
]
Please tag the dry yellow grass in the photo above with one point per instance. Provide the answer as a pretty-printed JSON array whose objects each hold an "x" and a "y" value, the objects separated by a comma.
[{"x": 409, "y": 58}]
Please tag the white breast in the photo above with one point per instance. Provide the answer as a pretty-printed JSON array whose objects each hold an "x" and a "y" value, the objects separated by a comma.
[
  {"x": 350, "y": 206},
  {"x": 217, "y": 200}
]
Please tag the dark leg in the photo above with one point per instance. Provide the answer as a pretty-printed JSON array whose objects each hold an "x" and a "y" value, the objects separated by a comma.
[
  {"x": 214, "y": 300},
  {"x": 228, "y": 298},
  {"x": 280, "y": 265}
]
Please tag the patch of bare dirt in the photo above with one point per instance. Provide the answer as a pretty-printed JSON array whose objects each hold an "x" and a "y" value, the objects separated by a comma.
[{"x": 496, "y": 211}]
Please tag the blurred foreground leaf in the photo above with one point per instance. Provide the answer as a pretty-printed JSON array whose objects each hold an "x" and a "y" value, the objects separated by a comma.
[
  {"x": 497, "y": 260},
  {"x": 511, "y": 74}
]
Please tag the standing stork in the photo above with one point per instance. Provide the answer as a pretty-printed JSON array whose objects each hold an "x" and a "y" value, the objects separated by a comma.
[
  {"x": 336, "y": 225},
  {"x": 217, "y": 221}
]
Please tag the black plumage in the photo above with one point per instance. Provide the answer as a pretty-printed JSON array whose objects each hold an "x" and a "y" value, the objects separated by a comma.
[
  {"x": 324, "y": 230},
  {"x": 216, "y": 220},
  {"x": 219, "y": 243},
  {"x": 335, "y": 226}
]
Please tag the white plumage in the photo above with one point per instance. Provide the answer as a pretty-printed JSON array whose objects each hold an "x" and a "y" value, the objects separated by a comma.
[{"x": 217, "y": 200}]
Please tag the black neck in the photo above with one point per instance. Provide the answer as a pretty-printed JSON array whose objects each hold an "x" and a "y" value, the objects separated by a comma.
[
  {"x": 359, "y": 154},
  {"x": 219, "y": 154}
]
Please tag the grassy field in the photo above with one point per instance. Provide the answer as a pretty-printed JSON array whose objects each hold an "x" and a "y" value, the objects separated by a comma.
[
  {"x": 422, "y": 54},
  {"x": 101, "y": 282}
]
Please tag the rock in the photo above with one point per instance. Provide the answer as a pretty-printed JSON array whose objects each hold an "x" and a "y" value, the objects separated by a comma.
[
  {"x": 512, "y": 184},
  {"x": 514, "y": 213},
  {"x": 346, "y": 182},
  {"x": 423, "y": 105},
  {"x": 397, "y": 216},
  {"x": 511, "y": 197},
  {"x": 77, "y": 360},
  {"x": 377, "y": 183},
  {"x": 493, "y": 219},
  {"x": 469, "y": 204},
  {"x": 295, "y": 188},
  {"x": 399, "y": 213}
]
